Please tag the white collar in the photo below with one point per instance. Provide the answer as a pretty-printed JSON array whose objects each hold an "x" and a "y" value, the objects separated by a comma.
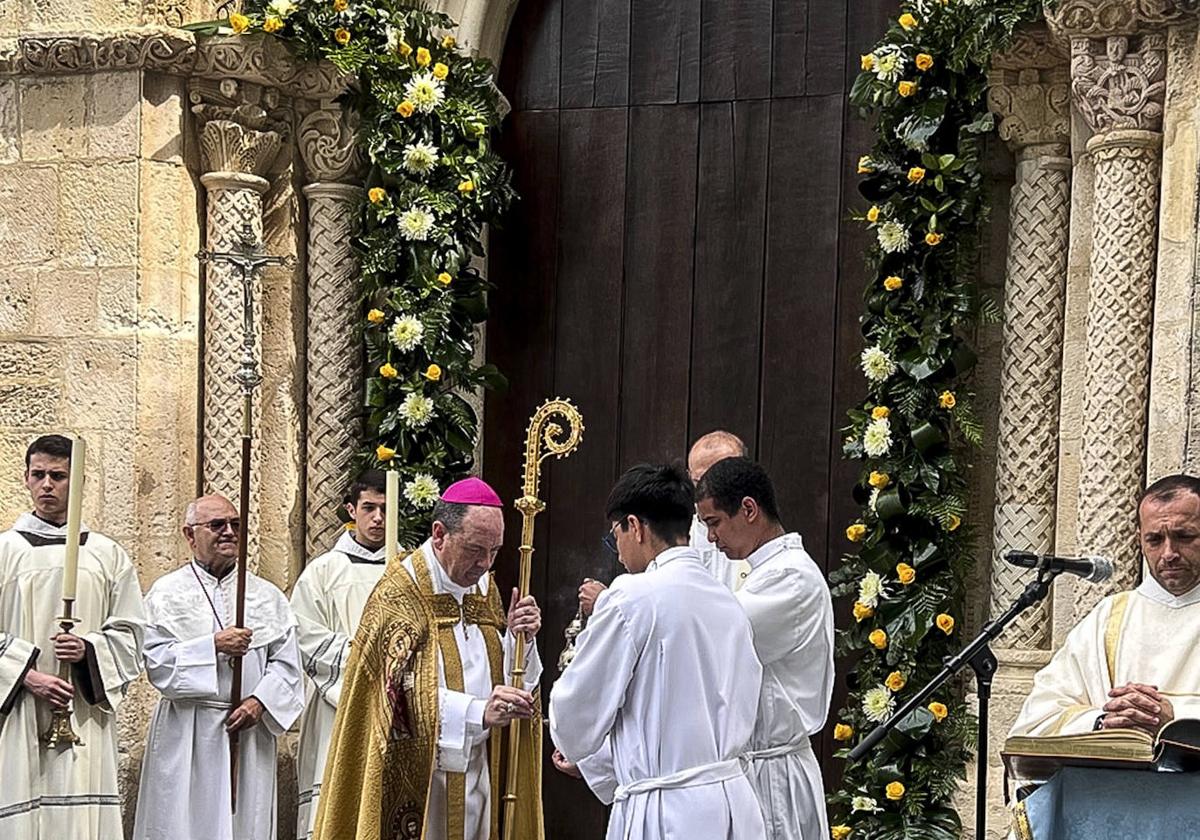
[
  {"x": 1153, "y": 590},
  {"x": 676, "y": 552},
  {"x": 770, "y": 548},
  {"x": 351, "y": 547},
  {"x": 31, "y": 524},
  {"x": 209, "y": 579}
]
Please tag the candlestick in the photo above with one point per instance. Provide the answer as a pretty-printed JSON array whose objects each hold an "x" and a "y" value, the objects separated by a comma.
[
  {"x": 392, "y": 515},
  {"x": 74, "y": 519}
]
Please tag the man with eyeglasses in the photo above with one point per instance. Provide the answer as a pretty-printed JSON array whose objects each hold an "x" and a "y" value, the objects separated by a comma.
[
  {"x": 190, "y": 639},
  {"x": 65, "y": 791}
]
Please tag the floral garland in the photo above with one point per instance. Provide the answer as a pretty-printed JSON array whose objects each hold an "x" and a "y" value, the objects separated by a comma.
[
  {"x": 925, "y": 85},
  {"x": 427, "y": 113}
]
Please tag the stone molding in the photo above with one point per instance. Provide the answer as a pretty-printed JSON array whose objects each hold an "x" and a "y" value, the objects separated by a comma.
[
  {"x": 326, "y": 138},
  {"x": 1102, "y": 18}
]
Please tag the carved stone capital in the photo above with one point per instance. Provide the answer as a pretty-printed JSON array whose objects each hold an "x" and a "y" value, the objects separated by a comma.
[
  {"x": 268, "y": 62},
  {"x": 228, "y": 146},
  {"x": 1119, "y": 82},
  {"x": 1101, "y": 18},
  {"x": 1034, "y": 106},
  {"x": 326, "y": 139}
]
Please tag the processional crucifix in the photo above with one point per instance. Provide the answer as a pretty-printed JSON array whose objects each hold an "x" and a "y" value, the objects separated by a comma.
[{"x": 249, "y": 258}]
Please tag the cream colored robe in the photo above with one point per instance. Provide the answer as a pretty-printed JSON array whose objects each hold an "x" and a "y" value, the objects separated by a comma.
[
  {"x": 732, "y": 573},
  {"x": 68, "y": 792}
]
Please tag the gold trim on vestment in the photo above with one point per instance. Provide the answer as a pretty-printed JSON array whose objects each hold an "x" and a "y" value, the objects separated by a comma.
[
  {"x": 1112, "y": 634},
  {"x": 1066, "y": 717},
  {"x": 1021, "y": 822}
]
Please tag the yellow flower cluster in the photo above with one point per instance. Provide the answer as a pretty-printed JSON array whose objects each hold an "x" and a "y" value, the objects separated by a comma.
[
  {"x": 387, "y": 371},
  {"x": 947, "y": 400},
  {"x": 878, "y": 638},
  {"x": 907, "y": 21},
  {"x": 880, "y": 412},
  {"x": 433, "y": 373},
  {"x": 272, "y": 24},
  {"x": 440, "y": 71},
  {"x": 467, "y": 186},
  {"x": 839, "y": 832},
  {"x": 873, "y": 214},
  {"x": 945, "y": 623},
  {"x": 896, "y": 681},
  {"x": 933, "y": 238},
  {"x": 906, "y": 88},
  {"x": 923, "y": 61},
  {"x": 894, "y": 791},
  {"x": 893, "y": 283},
  {"x": 341, "y": 35},
  {"x": 340, "y": 6},
  {"x": 906, "y": 573},
  {"x": 862, "y": 611},
  {"x": 384, "y": 453},
  {"x": 843, "y": 732},
  {"x": 916, "y": 175},
  {"x": 938, "y": 710},
  {"x": 376, "y": 194},
  {"x": 445, "y": 279},
  {"x": 405, "y": 109},
  {"x": 448, "y": 42},
  {"x": 856, "y": 532},
  {"x": 879, "y": 480},
  {"x": 423, "y": 57},
  {"x": 376, "y": 316},
  {"x": 867, "y": 62},
  {"x": 864, "y": 164},
  {"x": 405, "y": 49},
  {"x": 239, "y": 23},
  {"x": 952, "y": 522}
]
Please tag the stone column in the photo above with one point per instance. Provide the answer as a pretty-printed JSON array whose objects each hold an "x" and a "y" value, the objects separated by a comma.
[
  {"x": 334, "y": 370},
  {"x": 234, "y": 157}
]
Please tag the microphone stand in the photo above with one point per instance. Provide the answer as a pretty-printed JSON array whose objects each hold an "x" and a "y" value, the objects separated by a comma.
[{"x": 979, "y": 656}]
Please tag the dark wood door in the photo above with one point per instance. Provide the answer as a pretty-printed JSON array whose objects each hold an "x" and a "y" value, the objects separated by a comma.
[{"x": 679, "y": 261}]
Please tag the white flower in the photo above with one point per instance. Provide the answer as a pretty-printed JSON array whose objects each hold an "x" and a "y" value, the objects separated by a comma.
[
  {"x": 425, "y": 92},
  {"x": 419, "y": 158},
  {"x": 878, "y": 704},
  {"x": 877, "y": 439},
  {"x": 889, "y": 63},
  {"x": 864, "y": 803},
  {"x": 422, "y": 491},
  {"x": 877, "y": 365},
  {"x": 874, "y": 500},
  {"x": 281, "y": 8},
  {"x": 893, "y": 237},
  {"x": 394, "y": 37},
  {"x": 416, "y": 223},
  {"x": 417, "y": 411},
  {"x": 407, "y": 332},
  {"x": 869, "y": 589}
]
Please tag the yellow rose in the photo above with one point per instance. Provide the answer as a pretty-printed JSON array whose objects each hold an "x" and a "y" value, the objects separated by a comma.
[
  {"x": 864, "y": 164},
  {"x": 945, "y": 623},
  {"x": 405, "y": 109},
  {"x": 906, "y": 573},
  {"x": 376, "y": 194},
  {"x": 906, "y": 88},
  {"x": 862, "y": 611},
  {"x": 879, "y": 479},
  {"x": 839, "y": 832},
  {"x": 938, "y": 710},
  {"x": 433, "y": 373},
  {"x": 873, "y": 214},
  {"x": 843, "y": 732},
  {"x": 440, "y": 71},
  {"x": 467, "y": 186},
  {"x": 907, "y": 21},
  {"x": 444, "y": 278},
  {"x": 880, "y": 412},
  {"x": 239, "y": 23},
  {"x": 895, "y": 681},
  {"x": 272, "y": 24},
  {"x": 895, "y": 791},
  {"x": 376, "y": 316},
  {"x": 856, "y": 532},
  {"x": 448, "y": 42},
  {"x": 933, "y": 238},
  {"x": 867, "y": 62},
  {"x": 384, "y": 453},
  {"x": 952, "y": 522},
  {"x": 878, "y": 638},
  {"x": 405, "y": 50},
  {"x": 947, "y": 400},
  {"x": 923, "y": 61},
  {"x": 892, "y": 283},
  {"x": 342, "y": 36},
  {"x": 916, "y": 175},
  {"x": 340, "y": 5},
  {"x": 387, "y": 371},
  {"x": 423, "y": 57}
]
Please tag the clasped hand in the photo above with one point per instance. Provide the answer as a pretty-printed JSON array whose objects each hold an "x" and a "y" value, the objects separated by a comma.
[{"x": 1139, "y": 706}]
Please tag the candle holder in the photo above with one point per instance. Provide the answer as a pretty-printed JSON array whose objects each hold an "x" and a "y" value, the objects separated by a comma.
[{"x": 60, "y": 732}]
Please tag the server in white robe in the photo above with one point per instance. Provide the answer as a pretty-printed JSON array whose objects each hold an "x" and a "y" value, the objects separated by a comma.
[
  {"x": 1134, "y": 660},
  {"x": 328, "y": 601},
  {"x": 657, "y": 708},
  {"x": 790, "y": 608},
  {"x": 48, "y": 794},
  {"x": 190, "y": 636}
]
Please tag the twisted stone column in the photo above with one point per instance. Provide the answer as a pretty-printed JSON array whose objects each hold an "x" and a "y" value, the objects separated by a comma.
[{"x": 334, "y": 369}]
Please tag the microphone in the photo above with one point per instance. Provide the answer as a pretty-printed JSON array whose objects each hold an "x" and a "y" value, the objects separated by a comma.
[{"x": 1092, "y": 569}]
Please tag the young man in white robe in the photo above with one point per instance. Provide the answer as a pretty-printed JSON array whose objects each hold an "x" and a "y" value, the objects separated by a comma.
[
  {"x": 657, "y": 707},
  {"x": 190, "y": 637},
  {"x": 68, "y": 791},
  {"x": 790, "y": 608},
  {"x": 328, "y": 601},
  {"x": 1134, "y": 660}
]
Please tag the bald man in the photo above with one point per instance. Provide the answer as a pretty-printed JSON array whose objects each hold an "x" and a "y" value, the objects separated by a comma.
[
  {"x": 190, "y": 640},
  {"x": 706, "y": 451}
]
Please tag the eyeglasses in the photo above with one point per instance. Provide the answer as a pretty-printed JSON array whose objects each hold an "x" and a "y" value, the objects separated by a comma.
[
  {"x": 609, "y": 541},
  {"x": 218, "y": 526}
]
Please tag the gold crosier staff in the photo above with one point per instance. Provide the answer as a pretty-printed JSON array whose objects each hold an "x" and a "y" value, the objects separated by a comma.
[{"x": 543, "y": 434}]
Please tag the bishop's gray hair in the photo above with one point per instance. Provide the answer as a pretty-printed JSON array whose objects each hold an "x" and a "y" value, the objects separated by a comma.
[{"x": 450, "y": 514}]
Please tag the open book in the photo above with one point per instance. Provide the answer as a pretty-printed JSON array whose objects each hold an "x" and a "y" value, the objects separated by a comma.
[{"x": 1176, "y": 749}]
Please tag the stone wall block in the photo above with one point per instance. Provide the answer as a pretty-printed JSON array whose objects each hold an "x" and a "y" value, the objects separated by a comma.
[
  {"x": 116, "y": 300},
  {"x": 169, "y": 230},
  {"x": 65, "y": 302},
  {"x": 100, "y": 384},
  {"x": 114, "y": 110},
  {"x": 30, "y": 406},
  {"x": 162, "y": 118},
  {"x": 54, "y": 118},
  {"x": 17, "y": 295},
  {"x": 66, "y": 15},
  {"x": 99, "y": 213},
  {"x": 27, "y": 359},
  {"x": 30, "y": 235},
  {"x": 10, "y": 124}
]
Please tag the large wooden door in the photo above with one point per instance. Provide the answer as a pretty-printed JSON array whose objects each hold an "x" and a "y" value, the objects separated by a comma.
[{"x": 679, "y": 261}]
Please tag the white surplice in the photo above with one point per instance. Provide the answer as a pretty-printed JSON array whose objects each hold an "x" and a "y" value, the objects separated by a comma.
[
  {"x": 67, "y": 792},
  {"x": 328, "y": 601},
  {"x": 791, "y": 613},
  {"x": 185, "y": 791},
  {"x": 462, "y": 739},
  {"x": 1144, "y": 635},
  {"x": 658, "y": 705},
  {"x": 732, "y": 573}
]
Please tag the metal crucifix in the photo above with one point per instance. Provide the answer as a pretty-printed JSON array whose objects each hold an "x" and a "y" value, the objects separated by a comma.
[{"x": 249, "y": 258}]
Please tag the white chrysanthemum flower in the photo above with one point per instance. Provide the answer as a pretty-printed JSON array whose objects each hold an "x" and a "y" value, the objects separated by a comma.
[
  {"x": 281, "y": 8},
  {"x": 394, "y": 37},
  {"x": 419, "y": 158},
  {"x": 878, "y": 704},
  {"x": 864, "y": 803},
  {"x": 422, "y": 491},
  {"x": 893, "y": 237},
  {"x": 416, "y": 410},
  {"x": 889, "y": 63},
  {"x": 425, "y": 92},
  {"x": 407, "y": 333},
  {"x": 416, "y": 223},
  {"x": 877, "y": 439},
  {"x": 877, "y": 365},
  {"x": 870, "y": 588}
]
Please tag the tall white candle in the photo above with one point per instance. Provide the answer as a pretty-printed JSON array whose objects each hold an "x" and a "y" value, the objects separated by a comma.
[
  {"x": 74, "y": 519},
  {"x": 392, "y": 519}
]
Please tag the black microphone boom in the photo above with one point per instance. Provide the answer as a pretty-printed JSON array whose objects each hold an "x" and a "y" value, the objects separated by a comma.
[{"x": 1091, "y": 569}]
